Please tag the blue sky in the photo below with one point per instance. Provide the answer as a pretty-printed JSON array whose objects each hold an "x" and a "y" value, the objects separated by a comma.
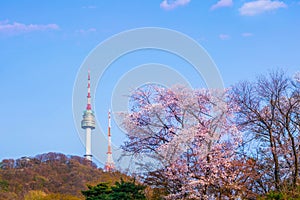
[{"x": 43, "y": 44}]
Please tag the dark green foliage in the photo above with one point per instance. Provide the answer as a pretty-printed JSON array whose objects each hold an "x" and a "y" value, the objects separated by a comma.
[
  {"x": 101, "y": 191},
  {"x": 122, "y": 190},
  {"x": 274, "y": 196},
  {"x": 128, "y": 191},
  {"x": 3, "y": 185},
  {"x": 286, "y": 193}
]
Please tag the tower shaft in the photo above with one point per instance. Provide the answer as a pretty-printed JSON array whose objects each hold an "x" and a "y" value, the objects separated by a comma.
[{"x": 88, "y": 144}]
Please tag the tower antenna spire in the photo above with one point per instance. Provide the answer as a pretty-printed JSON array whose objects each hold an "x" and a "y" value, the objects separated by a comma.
[
  {"x": 109, "y": 165},
  {"x": 88, "y": 106},
  {"x": 88, "y": 122}
]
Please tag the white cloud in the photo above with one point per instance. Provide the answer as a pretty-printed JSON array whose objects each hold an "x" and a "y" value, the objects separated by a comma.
[
  {"x": 247, "y": 34},
  {"x": 171, "y": 4},
  {"x": 85, "y": 31},
  {"x": 4, "y": 22},
  {"x": 222, "y": 3},
  {"x": 260, "y": 6},
  {"x": 90, "y": 7},
  {"x": 224, "y": 36},
  {"x": 16, "y": 28}
]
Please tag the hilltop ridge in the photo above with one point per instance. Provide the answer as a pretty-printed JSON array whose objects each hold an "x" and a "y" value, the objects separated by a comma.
[{"x": 51, "y": 173}]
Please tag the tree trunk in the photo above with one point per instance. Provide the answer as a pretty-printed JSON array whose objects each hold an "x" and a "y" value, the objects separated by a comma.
[{"x": 276, "y": 163}]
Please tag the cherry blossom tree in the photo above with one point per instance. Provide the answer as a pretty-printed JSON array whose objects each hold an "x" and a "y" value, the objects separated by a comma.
[{"x": 191, "y": 138}]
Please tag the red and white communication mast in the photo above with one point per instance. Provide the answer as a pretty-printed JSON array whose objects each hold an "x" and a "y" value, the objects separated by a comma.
[{"x": 109, "y": 165}]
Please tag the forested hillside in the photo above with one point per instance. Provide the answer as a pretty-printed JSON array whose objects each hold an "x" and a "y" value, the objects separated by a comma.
[{"x": 53, "y": 174}]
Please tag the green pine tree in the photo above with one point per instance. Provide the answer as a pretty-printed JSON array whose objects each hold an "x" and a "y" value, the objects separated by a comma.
[
  {"x": 122, "y": 190},
  {"x": 128, "y": 191},
  {"x": 101, "y": 191}
]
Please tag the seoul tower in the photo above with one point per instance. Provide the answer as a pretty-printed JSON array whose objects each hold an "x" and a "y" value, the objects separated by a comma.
[
  {"x": 88, "y": 122},
  {"x": 109, "y": 165}
]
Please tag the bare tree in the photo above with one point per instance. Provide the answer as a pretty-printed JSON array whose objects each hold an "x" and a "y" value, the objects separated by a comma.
[{"x": 269, "y": 117}]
